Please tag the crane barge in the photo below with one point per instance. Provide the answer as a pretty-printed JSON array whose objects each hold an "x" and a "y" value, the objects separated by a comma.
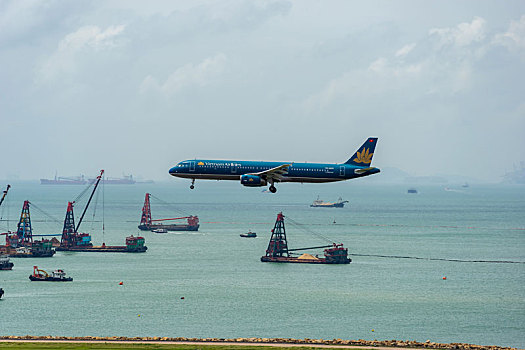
[
  {"x": 72, "y": 240},
  {"x": 20, "y": 244},
  {"x": 278, "y": 250},
  {"x": 149, "y": 224}
]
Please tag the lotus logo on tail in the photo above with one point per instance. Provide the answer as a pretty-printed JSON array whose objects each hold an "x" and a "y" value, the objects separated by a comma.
[{"x": 364, "y": 156}]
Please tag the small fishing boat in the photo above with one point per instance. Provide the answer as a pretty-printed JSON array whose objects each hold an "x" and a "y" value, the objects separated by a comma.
[
  {"x": 55, "y": 276},
  {"x": 248, "y": 234}
]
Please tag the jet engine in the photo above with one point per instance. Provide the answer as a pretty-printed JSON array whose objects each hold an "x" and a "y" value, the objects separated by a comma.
[{"x": 252, "y": 180}]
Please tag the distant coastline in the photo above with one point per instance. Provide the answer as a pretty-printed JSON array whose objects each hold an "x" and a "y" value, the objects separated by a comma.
[{"x": 283, "y": 342}]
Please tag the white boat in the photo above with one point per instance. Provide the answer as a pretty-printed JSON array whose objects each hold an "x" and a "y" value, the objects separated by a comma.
[{"x": 160, "y": 230}]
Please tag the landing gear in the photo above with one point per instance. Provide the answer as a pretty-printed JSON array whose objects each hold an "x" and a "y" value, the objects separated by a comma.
[
  {"x": 192, "y": 186},
  {"x": 273, "y": 189}
]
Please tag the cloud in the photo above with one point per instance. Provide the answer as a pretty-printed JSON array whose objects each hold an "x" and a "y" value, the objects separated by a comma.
[
  {"x": 405, "y": 50},
  {"x": 514, "y": 38},
  {"x": 83, "y": 41},
  {"x": 91, "y": 37},
  {"x": 378, "y": 65},
  {"x": 189, "y": 75},
  {"x": 444, "y": 67},
  {"x": 463, "y": 34}
]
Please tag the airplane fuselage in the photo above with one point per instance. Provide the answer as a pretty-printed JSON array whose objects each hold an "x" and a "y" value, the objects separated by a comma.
[
  {"x": 259, "y": 173},
  {"x": 297, "y": 172}
]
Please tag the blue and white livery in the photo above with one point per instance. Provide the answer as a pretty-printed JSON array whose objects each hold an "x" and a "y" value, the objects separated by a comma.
[{"x": 258, "y": 173}]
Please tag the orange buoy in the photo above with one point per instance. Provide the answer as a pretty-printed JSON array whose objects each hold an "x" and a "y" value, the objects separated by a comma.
[
  {"x": 444, "y": 277},
  {"x": 120, "y": 283}
]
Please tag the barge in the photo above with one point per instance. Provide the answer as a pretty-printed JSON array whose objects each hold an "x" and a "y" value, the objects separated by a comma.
[
  {"x": 74, "y": 241},
  {"x": 37, "y": 249},
  {"x": 279, "y": 252},
  {"x": 20, "y": 244},
  {"x": 133, "y": 245},
  {"x": 148, "y": 224}
]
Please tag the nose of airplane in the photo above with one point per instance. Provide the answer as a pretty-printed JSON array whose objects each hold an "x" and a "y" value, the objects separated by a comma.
[{"x": 173, "y": 171}]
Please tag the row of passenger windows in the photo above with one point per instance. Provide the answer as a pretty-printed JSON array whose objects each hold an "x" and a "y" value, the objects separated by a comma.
[
  {"x": 257, "y": 167},
  {"x": 263, "y": 168}
]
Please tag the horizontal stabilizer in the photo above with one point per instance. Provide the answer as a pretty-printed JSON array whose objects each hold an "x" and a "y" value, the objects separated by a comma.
[{"x": 362, "y": 171}]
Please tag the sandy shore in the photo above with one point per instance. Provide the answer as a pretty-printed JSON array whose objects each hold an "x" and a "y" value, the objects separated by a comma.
[{"x": 277, "y": 342}]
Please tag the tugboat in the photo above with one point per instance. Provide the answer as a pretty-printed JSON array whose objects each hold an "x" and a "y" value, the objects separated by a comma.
[
  {"x": 319, "y": 203},
  {"x": 248, "y": 234},
  {"x": 56, "y": 276},
  {"x": 5, "y": 264}
]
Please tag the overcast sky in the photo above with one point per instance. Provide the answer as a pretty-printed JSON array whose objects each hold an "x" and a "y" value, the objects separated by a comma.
[{"x": 136, "y": 86}]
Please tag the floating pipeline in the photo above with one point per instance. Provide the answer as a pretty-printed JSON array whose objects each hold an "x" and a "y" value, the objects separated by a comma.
[
  {"x": 441, "y": 259},
  {"x": 380, "y": 225},
  {"x": 373, "y": 343}
]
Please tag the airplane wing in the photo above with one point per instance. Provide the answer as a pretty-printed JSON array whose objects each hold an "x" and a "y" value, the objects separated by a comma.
[{"x": 275, "y": 174}]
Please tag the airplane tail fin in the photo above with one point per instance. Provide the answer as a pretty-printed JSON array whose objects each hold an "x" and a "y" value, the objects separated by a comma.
[{"x": 363, "y": 156}]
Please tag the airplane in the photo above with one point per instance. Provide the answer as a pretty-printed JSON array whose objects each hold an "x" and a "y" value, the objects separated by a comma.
[{"x": 259, "y": 173}]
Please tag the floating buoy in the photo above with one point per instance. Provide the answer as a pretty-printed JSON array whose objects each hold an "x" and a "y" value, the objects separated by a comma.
[
  {"x": 182, "y": 297},
  {"x": 120, "y": 283},
  {"x": 138, "y": 315},
  {"x": 373, "y": 330},
  {"x": 444, "y": 277}
]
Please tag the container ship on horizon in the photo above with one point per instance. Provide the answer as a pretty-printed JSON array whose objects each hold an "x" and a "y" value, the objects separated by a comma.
[
  {"x": 124, "y": 180},
  {"x": 59, "y": 180}
]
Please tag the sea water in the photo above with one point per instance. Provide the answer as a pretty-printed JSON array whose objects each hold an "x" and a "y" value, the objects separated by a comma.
[{"x": 211, "y": 283}]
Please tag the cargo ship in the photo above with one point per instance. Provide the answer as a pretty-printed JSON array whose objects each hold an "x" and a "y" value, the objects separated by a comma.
[
  {"x": 125, "y": 180},
  {"x": 5, "y": 264},
  {"x": 55, "y": 276},
  {"x": 279, "y": 252},
  {"x": 58, "y": 180},
  {"x": 75, "y": 241},
  {"x": 148, "y": 224},
  {"x": 318, "y": 203}
]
